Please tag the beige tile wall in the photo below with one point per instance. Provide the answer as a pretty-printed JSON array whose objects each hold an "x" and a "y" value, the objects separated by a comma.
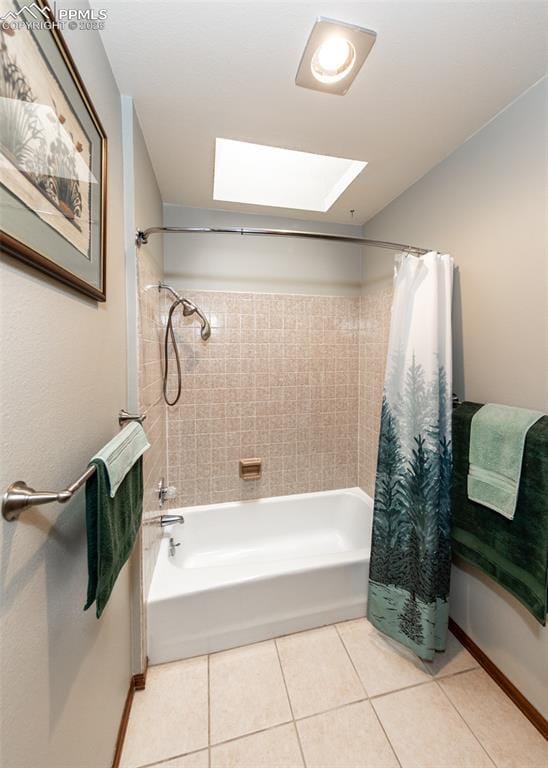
[
  {"x": 277, "y": 380},
  {"x": 373, "y": 341},
  {"x": 150, "y": 400}
]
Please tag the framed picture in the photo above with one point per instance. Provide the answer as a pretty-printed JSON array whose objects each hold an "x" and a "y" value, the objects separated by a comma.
[{"x": 53, "y": 154}]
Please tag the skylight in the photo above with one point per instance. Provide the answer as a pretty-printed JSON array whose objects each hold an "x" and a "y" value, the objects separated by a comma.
[{"x": 282, "y": 178}]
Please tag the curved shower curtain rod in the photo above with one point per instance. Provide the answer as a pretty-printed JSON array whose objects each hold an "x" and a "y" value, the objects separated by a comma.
[{"x": 143, "y": 235}]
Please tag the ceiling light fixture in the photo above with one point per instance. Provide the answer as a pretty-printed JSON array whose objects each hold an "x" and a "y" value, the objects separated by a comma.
[
  {"x": 333, "y": 56},
  {"x": 333, "y": 60}
]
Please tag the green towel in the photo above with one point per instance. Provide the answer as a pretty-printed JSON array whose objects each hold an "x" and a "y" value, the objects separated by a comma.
[
  {"x": 121, "y": 453},
  {"x": 112, "y": 527},
  {"x": 497, "y": 439},
  {"x": 512, "y": 552}
]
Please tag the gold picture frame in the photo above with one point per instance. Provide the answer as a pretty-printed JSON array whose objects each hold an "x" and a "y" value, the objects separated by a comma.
[{"x": 53, "y": 155}]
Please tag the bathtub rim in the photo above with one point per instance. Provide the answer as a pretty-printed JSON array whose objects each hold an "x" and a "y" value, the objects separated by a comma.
[
  {"x": 352, "y": 491},
  {"x": 171, "y": 590}
]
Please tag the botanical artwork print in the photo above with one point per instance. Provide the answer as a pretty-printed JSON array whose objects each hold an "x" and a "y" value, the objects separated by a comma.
[
  {"x": 411, "y": 544},
  {"x": 45, "y": 154}
]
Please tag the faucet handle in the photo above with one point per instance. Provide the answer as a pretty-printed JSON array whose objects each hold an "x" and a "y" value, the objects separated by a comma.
[{"x": 172, "y": 546}]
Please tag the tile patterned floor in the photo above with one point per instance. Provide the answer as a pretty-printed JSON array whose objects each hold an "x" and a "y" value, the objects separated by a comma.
[{"x": 341, "y": 696}]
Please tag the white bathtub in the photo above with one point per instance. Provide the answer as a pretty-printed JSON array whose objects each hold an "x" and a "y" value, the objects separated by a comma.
[{"x": 248, "y": 571}]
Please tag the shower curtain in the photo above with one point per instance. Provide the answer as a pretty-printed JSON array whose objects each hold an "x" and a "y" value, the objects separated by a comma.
[{"x": 411, "y": 547}]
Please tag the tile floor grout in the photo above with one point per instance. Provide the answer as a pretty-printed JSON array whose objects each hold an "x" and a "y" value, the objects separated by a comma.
[
  {"x": 289, "y": 701},
  {"x": 465, "y": 723},
  {"x": 251, "y": 733},
  {"x": 417, "y": 685},
  {"x": 351, "y": 661},
  {"x": 436, "y": 678},
  {"x": 296, "y": 720},
  {"x": 369, "y": 698},
  {"x": 167, "y": 760}
]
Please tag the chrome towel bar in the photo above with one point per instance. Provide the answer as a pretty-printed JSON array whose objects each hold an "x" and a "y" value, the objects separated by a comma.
[
  {"x": 124, "y": 417},
  {"x": 18, "y": 496}
]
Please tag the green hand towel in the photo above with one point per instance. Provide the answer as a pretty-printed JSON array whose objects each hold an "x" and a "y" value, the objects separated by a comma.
[
  {"x": 497, "y": 439},
  {"x": 512, "y": 552},
  {"x": 112, "y": 527}
]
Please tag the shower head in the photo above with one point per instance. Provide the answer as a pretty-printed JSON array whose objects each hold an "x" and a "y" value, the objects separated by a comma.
[
  {"x": 189, "y": 308},
  {"x": 205, "y": 328},
  {"x": 205, "y": 332}
]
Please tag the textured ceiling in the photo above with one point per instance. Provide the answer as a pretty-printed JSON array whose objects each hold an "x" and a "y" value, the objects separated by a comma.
[{"x": 437, "y": 73}]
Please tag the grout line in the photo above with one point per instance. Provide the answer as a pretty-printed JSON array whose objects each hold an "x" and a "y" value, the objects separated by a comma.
[
  {"x": 351, "y": 661},
  {"x": 265, "y": 640},
  {"x": 366, "y": 693},
  {"x": 331, "y": 709},
  {"x": 403, "y": 688},
  {"x": 441, "y": 676},
  {"x": 289, "y": 702},
  {"x": 297, "y": 734},
  {"x": 295, "y": 720},
  {"x": 464, "y": 721},
  {"x": 166, "y": 760},
  {"x": 386, "y": 693},
  {"x": 432, "y": 679},
  {"x": 245, "y": 735},
  {"x": 392, "y": 747}
]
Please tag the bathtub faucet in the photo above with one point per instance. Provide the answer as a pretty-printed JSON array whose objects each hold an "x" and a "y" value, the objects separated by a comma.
[{"x": 171, "y": 519}]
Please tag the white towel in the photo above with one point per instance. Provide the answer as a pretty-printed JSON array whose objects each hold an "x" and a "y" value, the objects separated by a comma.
[{"x": 121, "y": 453}]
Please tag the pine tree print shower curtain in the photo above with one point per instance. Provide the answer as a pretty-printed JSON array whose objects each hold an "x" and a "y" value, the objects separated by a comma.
[{"x": 411, "y": 547}]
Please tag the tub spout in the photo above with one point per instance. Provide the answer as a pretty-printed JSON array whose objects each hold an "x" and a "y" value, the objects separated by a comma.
[{"x": 171, "y": 519}]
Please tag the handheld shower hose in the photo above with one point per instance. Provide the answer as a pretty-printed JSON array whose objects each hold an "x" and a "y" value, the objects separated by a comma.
[{"x": 205, "y": 332}]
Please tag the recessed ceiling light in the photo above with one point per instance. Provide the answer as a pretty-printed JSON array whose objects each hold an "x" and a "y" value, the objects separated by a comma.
[
  {"x": 282, "y": 178},
  {"x": 333, "y": 56},
  {"x": 333, "y": 60}
]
